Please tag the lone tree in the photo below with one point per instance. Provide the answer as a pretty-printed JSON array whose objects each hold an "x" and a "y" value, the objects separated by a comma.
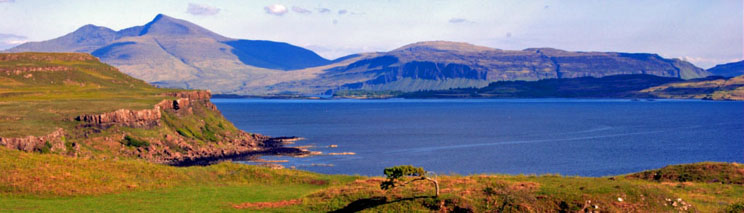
[{"x": 396, "y": 177}]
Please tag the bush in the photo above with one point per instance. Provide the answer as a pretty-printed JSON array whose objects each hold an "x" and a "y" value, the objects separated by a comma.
[
  {"x": 134, "y": 142},
  {"x": 735, "y": 208},
  {"x": 47, "y": 148}
]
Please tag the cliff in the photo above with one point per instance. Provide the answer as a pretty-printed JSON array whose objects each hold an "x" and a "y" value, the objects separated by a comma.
[
  {"x": 442, "y": 65},
  {"x": 72, "y": 104},
  {"x": 54, "y": 142},
  {"x": 182, "y": 147}
]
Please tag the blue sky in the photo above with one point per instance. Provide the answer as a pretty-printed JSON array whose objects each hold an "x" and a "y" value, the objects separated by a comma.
[{"x": 703, "y": 32}]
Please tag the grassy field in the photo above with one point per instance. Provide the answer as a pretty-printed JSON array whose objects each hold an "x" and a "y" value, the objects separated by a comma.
[
  {"x": 49, "y": 182},
  {"x": 36, "y": 102}
]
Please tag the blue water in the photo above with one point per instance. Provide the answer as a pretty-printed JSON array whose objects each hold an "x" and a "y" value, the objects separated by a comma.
[{"x": 516, "y": 136}]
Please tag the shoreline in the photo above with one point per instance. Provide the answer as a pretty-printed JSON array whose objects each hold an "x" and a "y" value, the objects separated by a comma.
[{"x": 275, "y": 147}]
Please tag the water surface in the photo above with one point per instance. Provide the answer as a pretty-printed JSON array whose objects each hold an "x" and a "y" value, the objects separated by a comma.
[{"x": 515, "y": 136}]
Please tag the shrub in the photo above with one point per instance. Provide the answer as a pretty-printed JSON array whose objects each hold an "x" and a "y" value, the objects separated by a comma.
[
  {"x": 735, "y": 208},
  {"x": 47, "y": 148},
  {"x": 134, "y": 142}
]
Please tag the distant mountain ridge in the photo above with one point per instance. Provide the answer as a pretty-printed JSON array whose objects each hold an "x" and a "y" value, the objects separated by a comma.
[
  {"x": 732, "y": 69},
  {"x": 175, "y": 52},
  {"x": 441, "y": 65},
  {"x": 172, "y": 52}
]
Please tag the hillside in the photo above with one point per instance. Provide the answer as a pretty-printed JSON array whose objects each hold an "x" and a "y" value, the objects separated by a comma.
[
  {"x": 443, "y": 65},
  {"x": 43, "y": 182},
  {"x": 72, "y": 104},
  {"x": 732, "y": 69},
  {"x": 711, "y": 88},
  {"x": 616, "y": 86},
  {"x": 175, "y": 53}
]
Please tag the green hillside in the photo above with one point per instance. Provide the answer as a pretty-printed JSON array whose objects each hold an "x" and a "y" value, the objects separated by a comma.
[
  {"x": 72, "y": 104},
  {"x": 44, "y": 182},
  {"x": 711, "y": 88},
  {"x": 41, "y": 91}
]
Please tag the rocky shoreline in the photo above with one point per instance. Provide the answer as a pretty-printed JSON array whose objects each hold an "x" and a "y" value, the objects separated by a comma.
[{"x": 274, "y": 146}]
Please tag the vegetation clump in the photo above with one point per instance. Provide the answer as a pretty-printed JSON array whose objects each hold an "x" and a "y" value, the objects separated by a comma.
[
  {"x": 707, "y": 172},
  {"x": 396, "y": 177},
  {"x": 134, "y": 142}
]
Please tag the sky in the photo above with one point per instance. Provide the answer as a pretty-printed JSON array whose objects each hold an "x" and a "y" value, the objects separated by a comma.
[{"x": 705, "y": 33}]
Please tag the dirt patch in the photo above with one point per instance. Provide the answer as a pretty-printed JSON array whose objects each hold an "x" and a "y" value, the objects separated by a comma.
[
  {"x": 529, "y": 186},
  {"x": 267, "y": 205}
]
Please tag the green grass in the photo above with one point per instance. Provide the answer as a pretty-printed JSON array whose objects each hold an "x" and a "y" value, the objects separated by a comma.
[
  {"x": 208, "y": 198},
  {"x": 49, "y": 182},
  {"x": 37, "y": 102}
]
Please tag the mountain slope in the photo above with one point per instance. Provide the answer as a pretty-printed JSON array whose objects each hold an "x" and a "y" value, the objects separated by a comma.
[
  {"x": 616, "y": 86},
  {"x": 712, "y": 88},
  {"x": 176, "y": 53},
  {"x": 444, "y": 65},
  {"x": 170, "y": 52},
  {"x": 728, "y": 70}
]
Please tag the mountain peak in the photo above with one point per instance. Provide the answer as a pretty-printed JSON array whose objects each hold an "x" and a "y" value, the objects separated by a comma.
[
  {"x": 166, "y": 25},
  {"x": 90, "y": 28},
  {"x": 444, "y": 45}
]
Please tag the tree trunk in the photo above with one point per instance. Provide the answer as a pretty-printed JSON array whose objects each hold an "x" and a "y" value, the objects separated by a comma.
[{"x": 436, "y": 185}]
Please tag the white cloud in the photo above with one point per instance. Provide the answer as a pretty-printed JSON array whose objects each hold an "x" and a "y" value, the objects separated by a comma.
[
  {"x": 202, "y": 10},
  {"x": 301, "y": 10},
  {"x": 341, "y": 12},
  {"x": 7, "y": 1},
  {"x": 276, "y": 9},
  {"x": 324, "y": 10},
  {"x": 459, "y": 21},
  {"x": 11, "y": 40},
  {"x": 705, "y": 62}
]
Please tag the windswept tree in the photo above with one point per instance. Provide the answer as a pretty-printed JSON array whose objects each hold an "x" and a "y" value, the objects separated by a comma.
[{"x": 397, "y": 177}]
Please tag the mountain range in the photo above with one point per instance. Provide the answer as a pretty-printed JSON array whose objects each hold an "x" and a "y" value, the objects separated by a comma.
[
  {"x": 171, "y": 52},
  {"x": 728, "y": 70}
]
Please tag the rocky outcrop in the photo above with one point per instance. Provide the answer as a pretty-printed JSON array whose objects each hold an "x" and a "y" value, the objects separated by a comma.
[
  {"x": 186, "y": 97},
  {"x": 149, "y": 117},
  {"x": 19, "y": 70},
  {"x": 52, "y": 142},
  {"x": 123, "y": 117},
  {"x": 193, "y": 95},
  {"x": 47, "y": 57}
]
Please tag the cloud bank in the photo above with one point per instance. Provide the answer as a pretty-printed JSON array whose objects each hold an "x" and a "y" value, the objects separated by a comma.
[
  {"x": 11, "y": 40},
  {"x": 459, "y": 21},
  {"x": 301, "y": 10},
  {"x": 276, "y": 9},
  {"x": 324, "y": 10},
  {"x": 201, "y": 10}
]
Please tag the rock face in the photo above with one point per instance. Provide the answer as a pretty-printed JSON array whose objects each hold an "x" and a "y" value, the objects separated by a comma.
[
  {"x": 149, "y": 117},
  {"x": 52, "y": 141},
  {"x": 175, "y": 148},
  {"x": 123, "y": 117}
]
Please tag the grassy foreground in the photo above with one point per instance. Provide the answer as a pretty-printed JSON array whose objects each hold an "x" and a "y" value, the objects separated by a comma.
[{"x": 48, "y": 182}]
